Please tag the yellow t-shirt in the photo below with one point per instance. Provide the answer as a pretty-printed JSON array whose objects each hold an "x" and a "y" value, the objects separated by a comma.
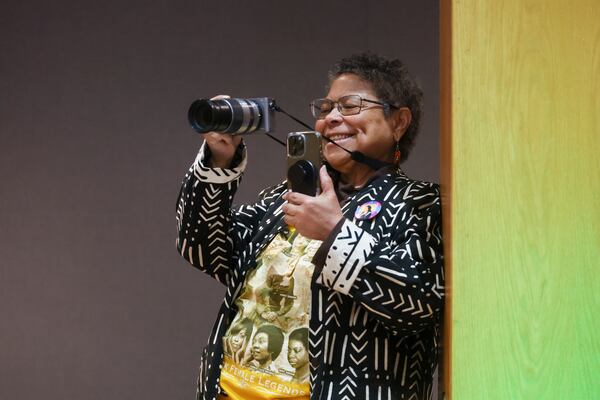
[{"x": 266, "y": 346}]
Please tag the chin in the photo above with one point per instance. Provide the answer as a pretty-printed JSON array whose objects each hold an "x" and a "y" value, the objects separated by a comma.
[
  {"x": 338, "y": 160},
  {"x": 342, "y": 167}
]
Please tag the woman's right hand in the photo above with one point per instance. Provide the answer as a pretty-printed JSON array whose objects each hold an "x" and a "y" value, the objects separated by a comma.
[{"x": 222, "y": 145}]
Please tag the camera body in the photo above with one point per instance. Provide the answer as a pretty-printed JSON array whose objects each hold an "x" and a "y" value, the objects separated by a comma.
[
  {"x": 304, "y": 160},
  {"x": 232, "y": 116}
]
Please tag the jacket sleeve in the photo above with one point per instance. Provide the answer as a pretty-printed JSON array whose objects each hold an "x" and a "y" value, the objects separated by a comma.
[
  {"x": 211, "y": 234},
  {"x": 397, "y": 277}
]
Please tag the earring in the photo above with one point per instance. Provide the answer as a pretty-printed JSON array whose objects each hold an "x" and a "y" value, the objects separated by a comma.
[{"x": 397, "y": 153}]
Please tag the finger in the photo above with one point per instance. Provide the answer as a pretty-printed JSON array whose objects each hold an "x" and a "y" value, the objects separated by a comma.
[
  {"x": 297, "y": 198},
  {"x": 236, "y": 139},
  {"x": 213, "y": 136},
  {"x": 326, "y": 182},
  {"x": 290, "y": 196},
  {"x": 219, "y": 137},
  {"x": 289, "y": 220},
  {"x": 290, "y": 209}
]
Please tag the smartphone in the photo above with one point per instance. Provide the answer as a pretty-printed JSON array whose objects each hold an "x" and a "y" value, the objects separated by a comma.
[{"x": 304, "y": 160}]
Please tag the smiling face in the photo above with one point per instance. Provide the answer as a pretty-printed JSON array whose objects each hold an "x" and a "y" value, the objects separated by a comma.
[
  {"x": 260, "y": 348},
  {"x": 369, "y": 131}
]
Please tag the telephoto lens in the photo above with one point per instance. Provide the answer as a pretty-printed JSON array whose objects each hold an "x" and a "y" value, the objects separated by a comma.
[{"x": 232, "y": 116}]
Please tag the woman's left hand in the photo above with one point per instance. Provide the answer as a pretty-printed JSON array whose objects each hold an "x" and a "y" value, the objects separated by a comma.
[{"x": 314, "y": 217}]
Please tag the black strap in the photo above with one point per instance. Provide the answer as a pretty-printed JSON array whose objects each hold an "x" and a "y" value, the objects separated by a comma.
[
  {"x": 276, "y": 107},
  {"x": 275, "y": 139}
]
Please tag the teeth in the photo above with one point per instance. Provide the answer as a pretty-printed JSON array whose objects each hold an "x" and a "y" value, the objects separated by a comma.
[{"x": 338, "y": 137}]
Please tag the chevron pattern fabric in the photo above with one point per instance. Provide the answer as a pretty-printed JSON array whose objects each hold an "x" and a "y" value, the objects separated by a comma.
[{"x": 377, "y": 299}]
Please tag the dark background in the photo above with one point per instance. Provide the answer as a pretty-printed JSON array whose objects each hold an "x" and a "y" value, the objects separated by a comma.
[{"x": 95, "y": 302}]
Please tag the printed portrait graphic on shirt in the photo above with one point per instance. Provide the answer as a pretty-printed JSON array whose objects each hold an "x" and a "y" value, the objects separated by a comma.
[{"x": 266, "y": 346}]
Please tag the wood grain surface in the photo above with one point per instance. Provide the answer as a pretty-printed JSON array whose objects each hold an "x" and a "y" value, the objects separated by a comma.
[{"x": 521, "y": 173}]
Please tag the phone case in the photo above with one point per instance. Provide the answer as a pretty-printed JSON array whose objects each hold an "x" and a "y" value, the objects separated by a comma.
[{"x": 303, "y": 169}]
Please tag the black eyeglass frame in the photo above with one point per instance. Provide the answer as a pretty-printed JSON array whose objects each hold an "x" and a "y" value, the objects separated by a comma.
[{"x": 386, "y": 106}]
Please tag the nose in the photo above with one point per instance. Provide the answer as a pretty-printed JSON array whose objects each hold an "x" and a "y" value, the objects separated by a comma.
[{"x": 334, "y": 117}]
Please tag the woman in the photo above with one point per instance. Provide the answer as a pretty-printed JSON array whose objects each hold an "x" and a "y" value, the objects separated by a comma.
[
  {"x": 236, "y": 342},
  {"x": 370, "y": 242},
  {"x": 298, "y": 354},
  {"x": 266, "y": 346}
]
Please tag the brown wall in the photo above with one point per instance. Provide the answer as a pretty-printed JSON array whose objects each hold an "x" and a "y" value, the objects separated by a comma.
[{"x": 94, "y": 301}]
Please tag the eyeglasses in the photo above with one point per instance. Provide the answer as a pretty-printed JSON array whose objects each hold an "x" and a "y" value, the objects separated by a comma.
[{"x": 346, "y": 105}]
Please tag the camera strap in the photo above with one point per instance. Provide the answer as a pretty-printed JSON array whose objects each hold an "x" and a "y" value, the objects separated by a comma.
[{"x": 357, "y": 156}]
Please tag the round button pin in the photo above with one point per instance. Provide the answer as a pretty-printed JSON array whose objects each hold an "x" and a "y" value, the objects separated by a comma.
[{"x": 367, "y": 210}]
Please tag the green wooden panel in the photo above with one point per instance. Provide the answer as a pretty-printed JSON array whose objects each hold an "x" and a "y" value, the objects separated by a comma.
[{"x": 525, "y": 199}]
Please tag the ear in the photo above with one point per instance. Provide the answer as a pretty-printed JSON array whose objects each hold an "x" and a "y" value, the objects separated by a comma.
[{"x": 401, "y": 121}]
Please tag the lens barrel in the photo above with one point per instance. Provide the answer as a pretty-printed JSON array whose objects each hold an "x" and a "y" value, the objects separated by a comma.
[{"x": 233, "y": 116}]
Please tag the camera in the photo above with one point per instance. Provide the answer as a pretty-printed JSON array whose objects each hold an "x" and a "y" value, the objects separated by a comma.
[
  {"x": 304, "y": 160},
  {"x": 233, "y": 116}
]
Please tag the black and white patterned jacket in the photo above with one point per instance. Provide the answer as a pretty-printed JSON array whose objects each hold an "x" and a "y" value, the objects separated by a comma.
[{"x": 376, "y": 301}]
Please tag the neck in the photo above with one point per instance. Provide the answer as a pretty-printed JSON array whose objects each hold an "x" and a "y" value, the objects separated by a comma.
[
  {"x": 302, "y": 371},
  {"x": 359, "y": 173},
  {"x": 357, "y": 176}
]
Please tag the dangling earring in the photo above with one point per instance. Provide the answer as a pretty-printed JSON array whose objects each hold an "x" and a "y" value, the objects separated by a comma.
[{"x": 397, "y": 154}]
